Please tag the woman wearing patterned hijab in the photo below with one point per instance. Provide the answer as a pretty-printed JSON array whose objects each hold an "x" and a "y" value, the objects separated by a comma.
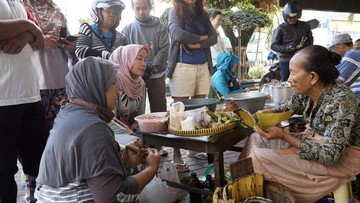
[
  {"x": 81, "y": 160},
  {"x": 54, "y": 57},
  {"x": 132, "y": 62}
]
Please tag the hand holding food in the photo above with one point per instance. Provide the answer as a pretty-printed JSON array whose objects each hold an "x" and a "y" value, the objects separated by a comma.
[
  {"x": 153, "y": 157},
  {"x": 270, "y": 132}
]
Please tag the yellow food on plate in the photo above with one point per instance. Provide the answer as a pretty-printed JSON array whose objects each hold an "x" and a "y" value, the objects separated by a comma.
[{"x": 262, "y": 119}]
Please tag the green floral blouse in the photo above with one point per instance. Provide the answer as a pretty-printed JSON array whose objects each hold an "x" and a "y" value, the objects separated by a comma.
[{"x": 335, "y": 115}]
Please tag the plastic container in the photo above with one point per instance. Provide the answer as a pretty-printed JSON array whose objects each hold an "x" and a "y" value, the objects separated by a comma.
[{"x": 153, "y": 122}]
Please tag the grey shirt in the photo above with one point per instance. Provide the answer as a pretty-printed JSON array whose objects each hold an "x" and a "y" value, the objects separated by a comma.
[
  {"x": 153, "y": 34},
  {"x": 80, "y": 146}
]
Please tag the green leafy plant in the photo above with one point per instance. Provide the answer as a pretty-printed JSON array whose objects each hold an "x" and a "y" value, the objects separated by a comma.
[{"x": 257, "y": 70}]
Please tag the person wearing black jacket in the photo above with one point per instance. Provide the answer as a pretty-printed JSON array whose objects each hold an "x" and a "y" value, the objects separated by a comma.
[{"x": 290, "y": 36}]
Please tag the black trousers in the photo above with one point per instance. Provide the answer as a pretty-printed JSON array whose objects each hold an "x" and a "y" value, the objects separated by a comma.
[{"x": 23, "y": 135}]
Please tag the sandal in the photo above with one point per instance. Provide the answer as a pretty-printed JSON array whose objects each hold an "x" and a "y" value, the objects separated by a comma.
[
  {"x": 30, "y": 185},
  {"x": 29, "y": 196},
  {"x": 200, "y": 155},
  {"x": 163, "y": 151},
  {"x": 182, "y": 168},
  {"x": 30, "y": 199}
]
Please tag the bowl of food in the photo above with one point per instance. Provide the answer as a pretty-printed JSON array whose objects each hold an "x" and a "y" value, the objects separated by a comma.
[
  {"x": 250, "y": 101},
  {"x": 153, "y": 122}
]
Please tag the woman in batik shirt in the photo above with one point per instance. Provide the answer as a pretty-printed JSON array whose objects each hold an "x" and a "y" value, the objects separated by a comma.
[{"x": 323, "y": 157}]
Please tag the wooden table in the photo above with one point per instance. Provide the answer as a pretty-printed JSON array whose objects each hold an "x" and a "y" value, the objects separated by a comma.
[{"x": 215, "y": 145}]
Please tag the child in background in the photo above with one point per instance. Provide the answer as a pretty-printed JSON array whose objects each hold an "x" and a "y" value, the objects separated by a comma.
[{"x": 224, "y": 80}]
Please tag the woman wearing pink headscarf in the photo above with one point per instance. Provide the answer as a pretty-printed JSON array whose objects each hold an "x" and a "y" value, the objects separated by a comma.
[{"x": 132, "y": 62}]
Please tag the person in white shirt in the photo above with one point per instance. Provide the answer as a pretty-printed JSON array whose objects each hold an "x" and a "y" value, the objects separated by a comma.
[
  {"x": 22, "y": 121},
  {"x": 216, "y": 19}
]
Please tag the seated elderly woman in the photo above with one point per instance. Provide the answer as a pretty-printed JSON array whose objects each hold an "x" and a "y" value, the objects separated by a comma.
[
  {"x": 317, "y": 161},
  {"x": 224, "y": 79},
  {"x": 81, "y": 160},
  {"x": 129, "y": 82}
]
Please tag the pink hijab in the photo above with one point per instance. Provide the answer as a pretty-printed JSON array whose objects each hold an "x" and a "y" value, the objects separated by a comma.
[{"x": 125, "y": 57}]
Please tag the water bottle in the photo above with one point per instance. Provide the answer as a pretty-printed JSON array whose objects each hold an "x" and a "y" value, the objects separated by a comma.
[
  {"x": 194, "y": 182},
  {"x": 209, "y": 183}
]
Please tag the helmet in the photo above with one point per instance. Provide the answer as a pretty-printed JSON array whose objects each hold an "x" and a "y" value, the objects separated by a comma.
[
  {"x": 104, "y": 4},
  {"x": 291, "y": 10}
]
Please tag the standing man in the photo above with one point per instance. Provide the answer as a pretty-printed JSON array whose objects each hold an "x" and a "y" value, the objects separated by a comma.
[
  {"x": 23, "y": 131},
  {"x": 290, "y": 36},
  {"x": 147, "y": 30},
  {"x": 349, "y": 67}
]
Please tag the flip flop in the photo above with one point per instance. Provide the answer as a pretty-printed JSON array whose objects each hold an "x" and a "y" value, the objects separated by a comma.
[
  {"x": 182, "y": 168},
  {"x": 200, "y": 155}
]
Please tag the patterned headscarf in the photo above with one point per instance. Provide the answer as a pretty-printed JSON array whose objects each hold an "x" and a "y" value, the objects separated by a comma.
[
  {"x": 48, "y": 15},
  {"x": 125, "y": 56},
  {"x": 87, "y": 83}
]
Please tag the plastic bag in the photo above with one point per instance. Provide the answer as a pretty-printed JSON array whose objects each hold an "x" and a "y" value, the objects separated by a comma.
[
  {"x": 169, "y": 172},
  {"x": 130, "y": 156},
  {"x": 176, "y": 115},
  {"x": 156, "y": 191}
]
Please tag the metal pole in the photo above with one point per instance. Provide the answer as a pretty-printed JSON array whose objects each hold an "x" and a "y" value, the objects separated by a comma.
[{"x": 240, "y": 76}]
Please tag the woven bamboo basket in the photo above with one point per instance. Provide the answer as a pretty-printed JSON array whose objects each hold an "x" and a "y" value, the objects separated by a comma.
[{"x": 204, "y": 131}]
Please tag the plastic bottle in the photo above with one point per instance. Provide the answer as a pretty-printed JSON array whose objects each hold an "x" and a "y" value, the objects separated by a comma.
[
  {"x": 194, "y": 182},
  {"x": 208, "y": 183}
]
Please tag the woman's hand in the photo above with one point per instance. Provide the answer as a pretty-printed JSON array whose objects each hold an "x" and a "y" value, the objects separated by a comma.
[
  {"x": 51, "y": 41},
  {"x": 68, "y": 45},
  {"x": 193, "y": 46},
  {"x": 153, "y": 157},
  {"x": 203, "y": 37},
  {"x": 270, "y": 132}
]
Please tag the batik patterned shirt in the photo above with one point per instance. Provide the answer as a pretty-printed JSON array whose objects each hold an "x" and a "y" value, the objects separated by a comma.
[{"x": 335, "y": 115}]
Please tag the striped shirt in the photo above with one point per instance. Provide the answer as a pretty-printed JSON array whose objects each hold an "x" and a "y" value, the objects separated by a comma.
[
  {"x": 349, "y": 69},
  {"x": 90, "y": 43},
  {"x": 77, "y": 192},
  {"x": 73, "y": 192}
]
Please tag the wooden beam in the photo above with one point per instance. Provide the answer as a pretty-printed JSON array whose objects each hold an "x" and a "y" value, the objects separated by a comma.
[{"x": 348, "y": 6}]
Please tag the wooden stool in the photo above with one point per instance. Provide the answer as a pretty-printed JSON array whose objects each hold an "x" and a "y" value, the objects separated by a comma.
[{"x": 344, "y": 192}]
